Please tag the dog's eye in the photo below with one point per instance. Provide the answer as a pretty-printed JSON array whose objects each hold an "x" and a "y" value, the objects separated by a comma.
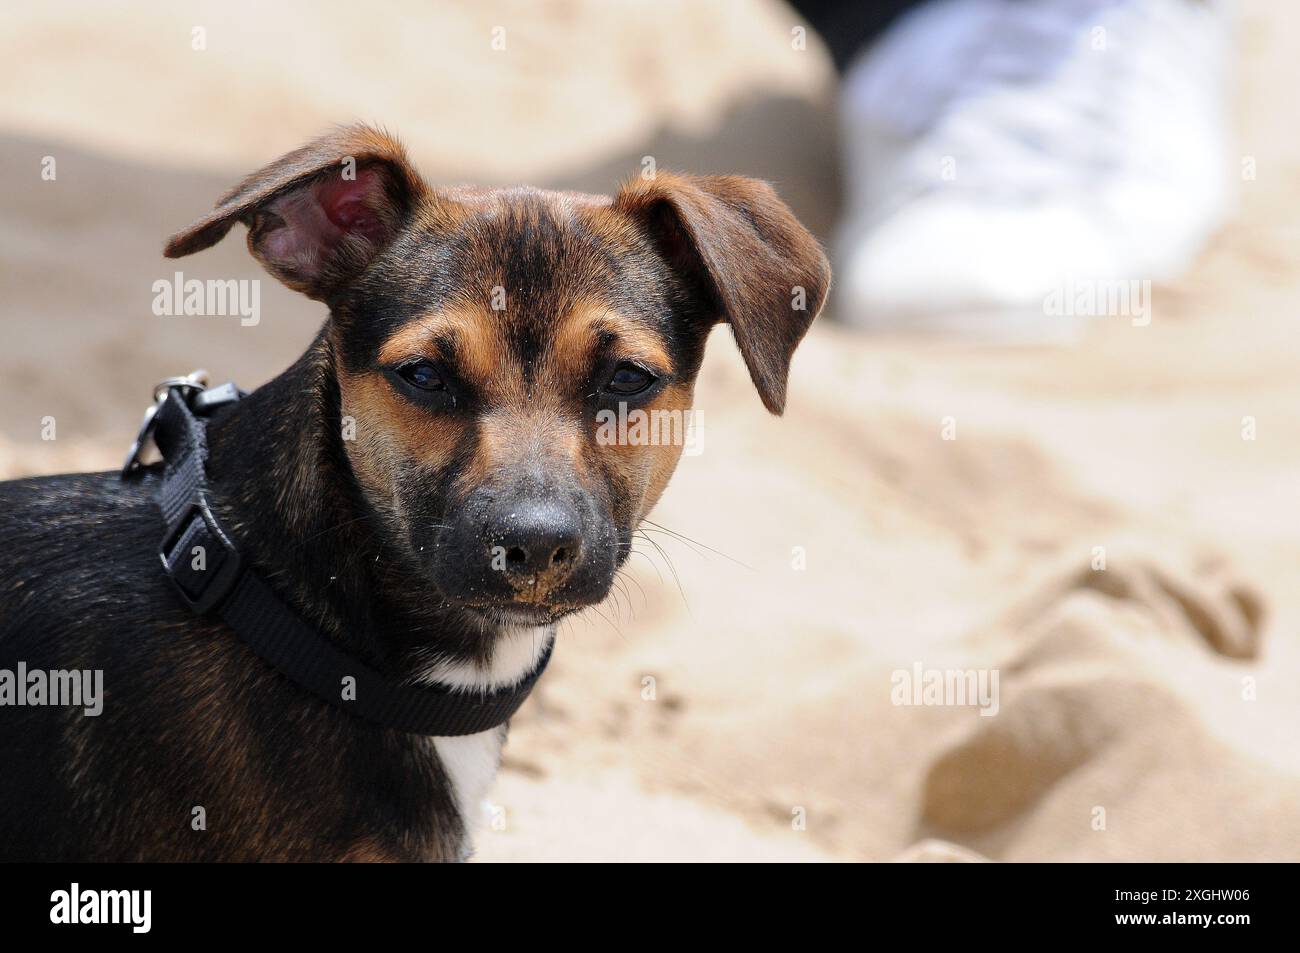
[
  {"x": 629, "y": 379},
  {"x": 423, "y": 375}
]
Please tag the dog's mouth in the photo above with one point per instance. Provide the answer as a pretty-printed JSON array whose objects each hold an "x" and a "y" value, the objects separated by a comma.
[{"x": 517, "y": 614}]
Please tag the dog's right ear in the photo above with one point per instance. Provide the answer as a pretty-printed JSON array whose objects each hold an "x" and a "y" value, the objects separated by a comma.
[{"x": 317, "y": 216}]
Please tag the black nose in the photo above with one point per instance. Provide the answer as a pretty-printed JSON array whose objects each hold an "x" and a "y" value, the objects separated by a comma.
[{"x": 539, "y": 537}]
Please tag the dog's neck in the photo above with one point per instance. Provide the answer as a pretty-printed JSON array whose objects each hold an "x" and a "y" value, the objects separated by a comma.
[{"x": 282, "y": 481}]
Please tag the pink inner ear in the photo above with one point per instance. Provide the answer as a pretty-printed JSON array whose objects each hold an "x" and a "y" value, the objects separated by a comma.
[
  {"x": 350, "y": 204},
  {"x": 316, "y": 219}
]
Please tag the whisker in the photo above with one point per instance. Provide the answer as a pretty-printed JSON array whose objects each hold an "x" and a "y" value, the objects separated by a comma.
[
  {"x": 686, "y": 539},
  {"x": 632, "y": 579},
  {"x": 605, "y": 618},
  {"x": 335, "y": 528},
  {"x": 673, "y": 569},
  {"x": 621, "y": 582},
  {"x": 654, "y": 565}
]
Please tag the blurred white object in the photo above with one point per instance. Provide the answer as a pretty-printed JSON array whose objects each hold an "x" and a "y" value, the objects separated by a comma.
[
  {"x": 936, "y": 851},
  {"x": 1000, "y": 151}
]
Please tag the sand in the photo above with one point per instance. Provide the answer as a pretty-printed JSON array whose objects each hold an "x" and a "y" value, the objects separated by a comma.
[{"x": 1147, "y": 710}]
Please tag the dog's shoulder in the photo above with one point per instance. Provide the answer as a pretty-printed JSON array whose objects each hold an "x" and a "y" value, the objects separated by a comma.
[
  {"x": 85, "y": 495},
  {"x": 74, "y": 541}
]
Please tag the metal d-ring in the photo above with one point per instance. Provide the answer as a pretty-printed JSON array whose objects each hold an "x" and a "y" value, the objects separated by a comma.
[{"x": 194, "y": 382}]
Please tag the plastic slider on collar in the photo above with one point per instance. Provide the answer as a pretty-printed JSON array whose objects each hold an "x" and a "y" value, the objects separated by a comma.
[{"x": 199, "y": 559}]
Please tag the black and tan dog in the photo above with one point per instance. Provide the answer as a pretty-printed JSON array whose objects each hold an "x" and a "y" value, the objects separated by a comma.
[{"x": 473, "y": 336}]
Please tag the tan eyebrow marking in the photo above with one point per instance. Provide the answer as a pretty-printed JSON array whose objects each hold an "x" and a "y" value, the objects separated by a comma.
[
  {"x": 476, "y": 335},
  {"x": 581, "y": 329}
]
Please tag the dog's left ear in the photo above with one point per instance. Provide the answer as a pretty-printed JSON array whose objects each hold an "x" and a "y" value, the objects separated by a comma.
[
  {"x": 740, "y": 248},
  {"x": 317, "y": 216}
]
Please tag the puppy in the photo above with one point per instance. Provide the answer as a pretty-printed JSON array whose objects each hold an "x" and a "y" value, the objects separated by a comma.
[{"x": 426, "y": 489}]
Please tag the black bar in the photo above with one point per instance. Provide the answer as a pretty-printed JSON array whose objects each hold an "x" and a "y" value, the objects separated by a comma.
[{"x": 978, "y": 902}]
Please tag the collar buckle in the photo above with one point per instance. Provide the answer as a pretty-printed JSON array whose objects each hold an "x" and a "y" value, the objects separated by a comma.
[{"x": 199, "y": 558}]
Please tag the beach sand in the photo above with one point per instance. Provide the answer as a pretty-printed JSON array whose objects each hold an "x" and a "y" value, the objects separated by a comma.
[{"x": 736, "y": 700}]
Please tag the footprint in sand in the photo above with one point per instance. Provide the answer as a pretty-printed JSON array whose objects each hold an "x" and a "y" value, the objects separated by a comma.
[{"x": 1081, "y": 691}]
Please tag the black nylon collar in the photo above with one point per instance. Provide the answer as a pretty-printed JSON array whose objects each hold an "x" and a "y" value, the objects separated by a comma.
[{"x": 259, "y": 617}]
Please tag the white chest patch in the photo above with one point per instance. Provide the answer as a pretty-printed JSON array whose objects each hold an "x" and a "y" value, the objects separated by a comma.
[
  {"x": 471, "y": 761},
  {"x": 515, "y": 654}
]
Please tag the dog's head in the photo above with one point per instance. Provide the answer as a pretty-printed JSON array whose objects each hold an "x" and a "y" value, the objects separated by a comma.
[{"x": 512, "y": 359}]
